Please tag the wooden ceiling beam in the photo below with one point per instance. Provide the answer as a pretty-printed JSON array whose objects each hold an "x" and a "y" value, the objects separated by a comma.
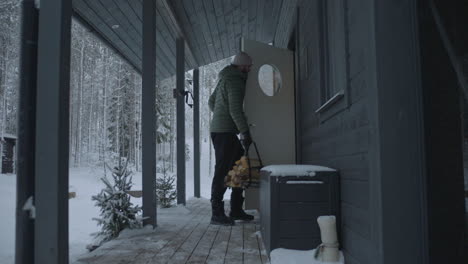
[
  {"x": 285, "y": 25},
  {"x": 180, "y": 31}
]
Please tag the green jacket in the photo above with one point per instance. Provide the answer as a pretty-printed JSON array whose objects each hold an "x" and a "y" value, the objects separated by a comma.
[{"x": 227, "y": 102}]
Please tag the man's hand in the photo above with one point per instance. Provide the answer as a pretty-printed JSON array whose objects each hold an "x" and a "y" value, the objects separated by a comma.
[{"x": 246, "y": 140}]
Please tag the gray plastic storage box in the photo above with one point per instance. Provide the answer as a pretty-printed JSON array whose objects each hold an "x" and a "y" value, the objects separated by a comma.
[{"x": 291, "y": 199}]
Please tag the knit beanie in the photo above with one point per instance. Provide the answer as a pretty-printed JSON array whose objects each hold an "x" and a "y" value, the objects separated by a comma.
[{"x": 242, "y": 58}]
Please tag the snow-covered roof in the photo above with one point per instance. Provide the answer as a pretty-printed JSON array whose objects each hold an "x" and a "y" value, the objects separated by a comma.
[{"x": 294, "y": 170}]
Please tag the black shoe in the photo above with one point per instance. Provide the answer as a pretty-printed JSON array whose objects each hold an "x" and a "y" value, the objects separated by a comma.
[
  {"x": 237, "y": 213},
  {"x": 218, "y": 217},
  {"x": 241, "y": 215},
  {"x": 222, "y": 220}
]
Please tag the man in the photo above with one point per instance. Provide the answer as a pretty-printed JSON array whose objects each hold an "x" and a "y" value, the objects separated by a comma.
[{"x": 226, "y": 103}]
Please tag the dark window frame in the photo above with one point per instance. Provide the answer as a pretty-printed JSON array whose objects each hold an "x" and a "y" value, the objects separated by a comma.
[{"x": 333, "y": 45}]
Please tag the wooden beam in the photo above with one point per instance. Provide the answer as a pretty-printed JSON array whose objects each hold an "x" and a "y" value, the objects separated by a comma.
[
  {"x": 286, "y": 22},
  {"x": 455, "y": 60},
  {"x": 149, "y": 113},
  {"x": 180, "y": 88},
  {"x": 196, "y": 132},
  {"x": 180, "y": 31},
  {"x": 52, "y": 132},
  {"x": 24, "y": 249}
]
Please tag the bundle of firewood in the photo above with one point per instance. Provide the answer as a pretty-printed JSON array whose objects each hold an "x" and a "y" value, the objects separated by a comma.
[{"x": 241, "y": 176}]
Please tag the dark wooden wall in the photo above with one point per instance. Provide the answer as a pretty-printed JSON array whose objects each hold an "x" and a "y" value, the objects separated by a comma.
[
  {"x": 400, "y": 157},
  {"x": 342, "y": 140},
  {"x": 443, "y": 104}
]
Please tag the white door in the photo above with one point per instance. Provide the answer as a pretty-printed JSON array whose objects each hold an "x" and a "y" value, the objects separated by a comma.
[{"x": 269, "y": 102}]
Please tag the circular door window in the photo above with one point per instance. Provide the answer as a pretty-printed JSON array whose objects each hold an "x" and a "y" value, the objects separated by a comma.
[{"x": 269, "y": 79}]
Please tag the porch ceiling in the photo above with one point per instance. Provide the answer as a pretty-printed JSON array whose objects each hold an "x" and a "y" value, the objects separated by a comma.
[{"x": 212, "y": 28}]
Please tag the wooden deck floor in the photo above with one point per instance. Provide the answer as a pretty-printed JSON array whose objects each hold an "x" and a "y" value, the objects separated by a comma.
[{"x": 189, "y": 239}]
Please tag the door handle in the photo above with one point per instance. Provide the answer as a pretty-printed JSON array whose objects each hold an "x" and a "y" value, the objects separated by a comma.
[{"x": 252, "y": 125}]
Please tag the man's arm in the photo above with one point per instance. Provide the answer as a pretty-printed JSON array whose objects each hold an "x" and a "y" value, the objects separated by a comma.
[{"x": 235, "y": 90}]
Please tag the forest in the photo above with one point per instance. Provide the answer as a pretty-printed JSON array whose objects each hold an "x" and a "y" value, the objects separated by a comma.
[{"x": 105, "y": 98}]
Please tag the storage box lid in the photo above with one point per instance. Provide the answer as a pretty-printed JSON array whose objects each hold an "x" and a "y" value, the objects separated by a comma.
[{"x": 294, "y": 170}]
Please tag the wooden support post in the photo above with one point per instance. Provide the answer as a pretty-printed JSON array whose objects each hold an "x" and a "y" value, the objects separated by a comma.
[
  {"x": 196, "y": 132},
  {"x": 24, "y": 249},
  {"x": 149, "y": 113},
  {"x": 180, "y": 88},
  {"x": 52, "y": 128}
]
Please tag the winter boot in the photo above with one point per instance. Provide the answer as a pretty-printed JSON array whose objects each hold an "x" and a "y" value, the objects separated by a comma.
[
  {"x": 237, "y": 213},
  {"x": 218, "y": 217}
]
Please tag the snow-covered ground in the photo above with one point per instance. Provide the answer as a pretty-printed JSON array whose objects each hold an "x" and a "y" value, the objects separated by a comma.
[
  {"x": 7, "y": 214},
  {"x": 86, "y": 183}
]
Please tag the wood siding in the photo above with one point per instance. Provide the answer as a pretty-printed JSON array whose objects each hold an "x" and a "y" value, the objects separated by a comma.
[
  {"x": 443, "y": 104},
  {"x": 341, "y": 141},
  {"x": 212, "y": 28},
  {"x": 397, "y": 175}
]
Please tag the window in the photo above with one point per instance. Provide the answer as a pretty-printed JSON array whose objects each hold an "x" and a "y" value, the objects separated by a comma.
[
  {"x": 334, "y": 70},
  {"x": 269, "y": 79}
]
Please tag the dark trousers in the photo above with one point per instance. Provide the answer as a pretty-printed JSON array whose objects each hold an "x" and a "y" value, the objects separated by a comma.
[{"x": 228, "y": 150}]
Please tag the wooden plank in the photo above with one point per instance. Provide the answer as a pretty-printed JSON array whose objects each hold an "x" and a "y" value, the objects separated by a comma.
[
  {"x": 202, "y": 250},
  {"x": 92, "y": 18},
  {"x": 165, "y": 43},
  {"x": 222, "y": 30},
  {"x": 196, "y": 133},
  {"x": 185, "y": 250},
  {"x": 122, "y": 255},
  {"x": 356, "y": 141},
  {"x": 259, "y": 22},
  {"x": 356, "y": 219},
  {"x": 245, "y": 18},
  {"x": 355, "y": 118},
  {"x": 227, "y": 10},
  {"x": 357, "y": 245},
  {"x": 107, "y": 19},
  {"x": 352, "y": 167},
  {"x": 219, "y": 248},
  {"x": 52, "y": 133},
  {"x": 270, "y": 28},
  {"x": 180, "y": 111},
  {"x": 196, "y": 27},
  {"x": 131, "y": 15},
  {"x": 122, "y": 19},
  {"x": 149, "y": 115},
  {"x": 195, "y": 207},
  {"x": 168, "y": 37},
  {"x": 136, "y": 7},
  {"x": 24, "y": 225},
  {"x": 180, "y": 31},
  {"x": 261, "y": 246},
  {"x": 190, "y": 24},
  {"x": 198, "y": 49},
  {"x": 204, "y": 28},
  {"x": 251, "y": 247},
  {"x": 166, "y": 253},
  {"x": 355, "y": 193},
  {"x": 213, "y": 27},
  {"x": 285, "y": 22},
  {"x": 237, "y": 24},
  {"x": 252, "y": 19},
  {"x": 235, "y": 248},
  {"x": 267, "y": 20}
]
